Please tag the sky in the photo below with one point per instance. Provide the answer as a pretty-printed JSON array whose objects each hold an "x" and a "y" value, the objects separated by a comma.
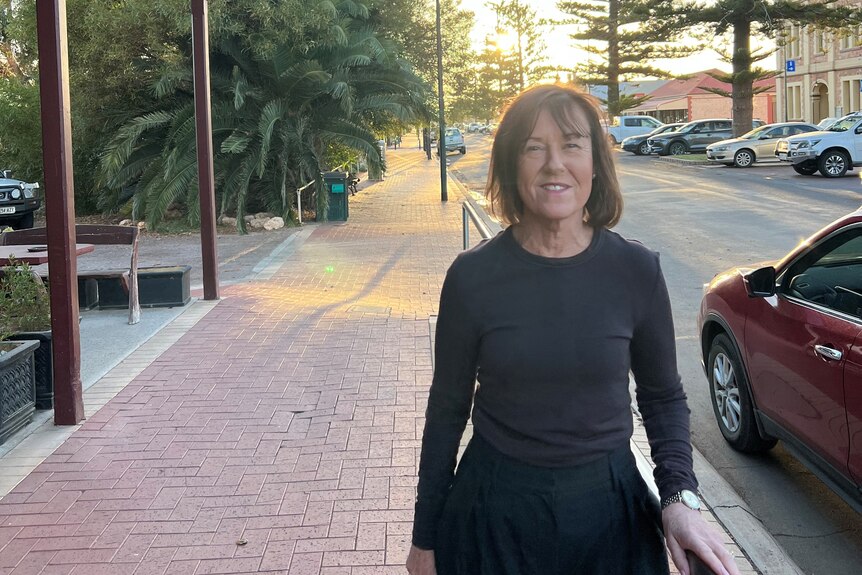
[{"x": 559, "y": 47}]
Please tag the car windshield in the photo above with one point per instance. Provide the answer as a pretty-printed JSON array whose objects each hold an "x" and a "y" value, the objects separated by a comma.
[
  {"x": 755, "y": 133},
  {"x": 663, "y": 129},
  {"x": 688, "y": 127},
  {"x": 452, "y": 132},
  {"x": 844, "y": 124}
]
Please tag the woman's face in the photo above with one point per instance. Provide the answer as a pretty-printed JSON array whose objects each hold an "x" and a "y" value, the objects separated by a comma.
[{"x": 555, "y": 170}]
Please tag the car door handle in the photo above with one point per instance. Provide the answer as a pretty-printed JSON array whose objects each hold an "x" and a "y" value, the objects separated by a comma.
[{"x": 828, "y": 353}]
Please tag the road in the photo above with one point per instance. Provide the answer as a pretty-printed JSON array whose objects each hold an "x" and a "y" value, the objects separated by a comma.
[{"x": 704, "y": 219}]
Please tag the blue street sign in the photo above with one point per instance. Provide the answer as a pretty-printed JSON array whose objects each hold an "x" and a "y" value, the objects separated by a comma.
[{"x": 790, "y": 65}]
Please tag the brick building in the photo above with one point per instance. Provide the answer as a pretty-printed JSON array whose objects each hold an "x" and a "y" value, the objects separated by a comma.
[
  {"x": 685, "y": 100},
  {"x": 824, "y": 79}
]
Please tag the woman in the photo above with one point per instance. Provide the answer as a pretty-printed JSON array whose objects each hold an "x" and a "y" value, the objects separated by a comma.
[{"x": 550, "y": 316}]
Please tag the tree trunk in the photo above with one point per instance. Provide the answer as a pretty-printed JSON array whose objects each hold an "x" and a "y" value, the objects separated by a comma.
[
  {"x": 613, "y": 60},
  {"x": 743, "y": 80}
]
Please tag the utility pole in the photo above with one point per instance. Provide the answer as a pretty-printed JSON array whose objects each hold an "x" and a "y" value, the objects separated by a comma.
[{"x": 441, "y": 139}]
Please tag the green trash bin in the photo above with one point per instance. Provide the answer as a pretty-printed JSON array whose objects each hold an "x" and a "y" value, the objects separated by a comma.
[{"x": 336, "y": 187}]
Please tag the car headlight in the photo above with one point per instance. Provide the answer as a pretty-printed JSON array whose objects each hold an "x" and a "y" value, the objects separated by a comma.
[
  {"x": 718, "y": 148},
  {"x": 805, "y": 144}
]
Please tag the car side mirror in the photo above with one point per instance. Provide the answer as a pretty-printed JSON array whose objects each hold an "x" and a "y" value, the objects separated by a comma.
[
  {"x": 7, "y": 174},
  {"x": 760, "y": 283}
]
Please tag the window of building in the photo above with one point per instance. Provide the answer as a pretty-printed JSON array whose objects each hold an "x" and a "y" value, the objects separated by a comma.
[
  {"x": 852, "y": 38},
  {"x": 794, "y": 102},
  {"x": 850, "y": 94},
  {"x": 792, "y": 40},
  {"x": 821, "y": 42}
]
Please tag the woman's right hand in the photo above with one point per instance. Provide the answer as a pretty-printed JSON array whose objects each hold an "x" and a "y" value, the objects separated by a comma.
[{"x": 421, "y": 561}]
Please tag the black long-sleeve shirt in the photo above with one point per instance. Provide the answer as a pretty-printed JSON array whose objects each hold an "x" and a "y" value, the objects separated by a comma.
[{"x": 551, "y": 342}]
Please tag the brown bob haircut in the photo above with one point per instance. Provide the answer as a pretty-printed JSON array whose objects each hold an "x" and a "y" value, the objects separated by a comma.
[{"x": 605, "y": 205}]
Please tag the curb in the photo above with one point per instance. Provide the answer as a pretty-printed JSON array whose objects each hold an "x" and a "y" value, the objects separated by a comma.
[{"x": 682, "y": 162}]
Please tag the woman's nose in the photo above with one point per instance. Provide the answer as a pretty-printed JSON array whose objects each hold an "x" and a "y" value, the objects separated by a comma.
[{"x": 554, "y": 160}]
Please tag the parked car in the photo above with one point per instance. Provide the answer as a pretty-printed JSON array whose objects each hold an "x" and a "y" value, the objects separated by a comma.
[
  {"x": 454, "y": 141},
  {"x": 781, "y": 348},
  {"x": 638, "y": 144},
  {"x": 833, "y": 151},
  {"x": 756, "y": 145},
  {"x": 18, "y": 201},
  {"x": 625, "y": 126},
  {"x": 694, "y": 136}
]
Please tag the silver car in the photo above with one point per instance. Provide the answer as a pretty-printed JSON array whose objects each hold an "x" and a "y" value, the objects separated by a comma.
[{"x": 756, "y": 145}]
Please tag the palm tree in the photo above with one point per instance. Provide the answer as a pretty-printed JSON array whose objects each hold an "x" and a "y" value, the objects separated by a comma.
[{"x": 274, "y": 117}]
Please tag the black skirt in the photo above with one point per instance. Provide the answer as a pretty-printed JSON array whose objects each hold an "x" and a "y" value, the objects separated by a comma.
[{"x": 504, "y": 517}]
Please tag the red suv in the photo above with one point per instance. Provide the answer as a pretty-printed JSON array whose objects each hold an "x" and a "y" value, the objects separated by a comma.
[{"x": 782, "y": 350}]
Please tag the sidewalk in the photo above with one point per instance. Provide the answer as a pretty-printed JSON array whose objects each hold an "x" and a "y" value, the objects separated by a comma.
[{"x": 276, "y": 430}]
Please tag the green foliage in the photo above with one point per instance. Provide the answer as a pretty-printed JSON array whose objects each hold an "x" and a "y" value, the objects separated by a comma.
[
  {"x": 744, "y": 18},
  {"x": 280, "y": 116},
  {"x": 24, "y": 301},
  {"x": 20, "y": 129},
  {"x": 528, "y": 52},
  {"x": 411, "y": 26},
  {"x": 624, "y": 36}
]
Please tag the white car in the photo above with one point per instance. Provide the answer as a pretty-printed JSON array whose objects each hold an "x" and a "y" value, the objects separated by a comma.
[{"x": 756, "y": 145}]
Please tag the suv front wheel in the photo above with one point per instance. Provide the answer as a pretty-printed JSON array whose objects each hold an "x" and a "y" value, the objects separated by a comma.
[
  {"x": 677, "y": 148},
  {"x": 833, "y": 164}
]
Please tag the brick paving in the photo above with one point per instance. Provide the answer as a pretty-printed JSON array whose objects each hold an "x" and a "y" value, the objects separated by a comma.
[{"x": 279, "y": 432}]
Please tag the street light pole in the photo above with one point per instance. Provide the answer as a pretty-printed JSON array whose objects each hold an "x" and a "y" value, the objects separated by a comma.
[{"x": 441, "y": 142}]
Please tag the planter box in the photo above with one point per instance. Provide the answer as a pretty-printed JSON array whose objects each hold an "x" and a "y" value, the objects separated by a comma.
[
  {"x": 44, "y": 364},
  {"x": 157, "y": 287},
  {"x": 17, "y": 386}
]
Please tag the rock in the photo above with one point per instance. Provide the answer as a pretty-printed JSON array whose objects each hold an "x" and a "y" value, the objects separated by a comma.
[
  {"x": 257, "y": 224},
  {"x": 142, "y": 225},
  {"x": 126, "y": 223},
  {"x": 228, "y": 221},
  {"x": 274, "y": 223},
  {"x": 247, "y": 219},
  {"x": 263, "y": 216}
]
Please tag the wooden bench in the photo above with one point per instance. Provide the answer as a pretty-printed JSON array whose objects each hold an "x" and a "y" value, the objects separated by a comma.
[{"x": 97, "y": 235}]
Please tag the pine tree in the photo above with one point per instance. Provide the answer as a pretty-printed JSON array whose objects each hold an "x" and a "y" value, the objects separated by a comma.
[
  {"x": 624, "y": 36},
  {"x": 525, "y": 26},
  {"x": 743, "y": 18}
]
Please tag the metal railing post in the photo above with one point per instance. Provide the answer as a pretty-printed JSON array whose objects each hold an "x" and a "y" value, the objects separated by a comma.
[{"x": 465, "y": 225}]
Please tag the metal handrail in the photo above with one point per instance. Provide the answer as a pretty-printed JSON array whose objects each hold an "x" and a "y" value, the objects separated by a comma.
[
  {"x": 299, "y": 200},
  {"x": 471, "y": 212}
]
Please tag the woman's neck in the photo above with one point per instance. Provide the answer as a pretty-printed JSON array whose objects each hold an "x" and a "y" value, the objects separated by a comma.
[{"x": 555, "y": 240}]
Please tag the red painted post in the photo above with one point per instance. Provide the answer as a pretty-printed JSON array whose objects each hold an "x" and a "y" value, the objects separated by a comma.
[
  {"x": 203, "y": 123},
  {"x": 60, "y": 210}
]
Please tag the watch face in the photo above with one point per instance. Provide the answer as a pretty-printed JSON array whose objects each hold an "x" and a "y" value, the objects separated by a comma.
[{"x": 690, "y": 499}]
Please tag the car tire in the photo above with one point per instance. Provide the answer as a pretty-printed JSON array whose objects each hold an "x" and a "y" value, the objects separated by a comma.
[
  {"x": 805, "y": 168},
  {"x": 642, "y": 149},
  {"x": 612, "y": 140},
  {"x": 743, "y": 158},
  {"x": 25, "y": 222},
  {"x": 463, "y": 151},
  {"x": 731, "y": 398},
  {"x": 677, "y": 148},
  {"x": 833, "y": 164}
]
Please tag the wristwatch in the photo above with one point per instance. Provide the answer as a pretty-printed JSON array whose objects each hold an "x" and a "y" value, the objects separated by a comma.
[{"x": 686, "y": 497}]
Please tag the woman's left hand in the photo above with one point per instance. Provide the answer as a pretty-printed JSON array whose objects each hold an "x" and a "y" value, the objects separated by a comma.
[{"x": 685, "y": 529}]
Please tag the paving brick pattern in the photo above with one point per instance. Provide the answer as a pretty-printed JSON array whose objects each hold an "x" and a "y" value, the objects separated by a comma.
[{"x": 280, "y": 433}]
